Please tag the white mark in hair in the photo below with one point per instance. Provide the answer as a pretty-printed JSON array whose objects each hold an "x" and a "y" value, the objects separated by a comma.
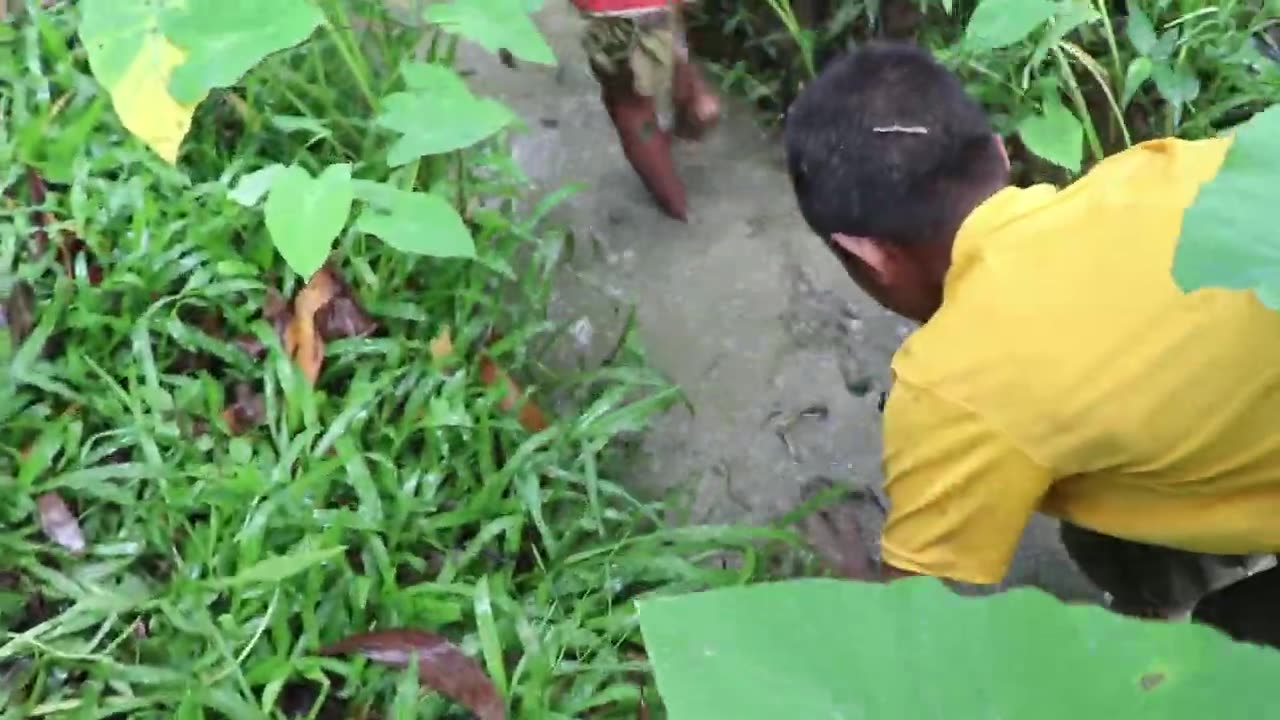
[{"x": 904, "y": 129}]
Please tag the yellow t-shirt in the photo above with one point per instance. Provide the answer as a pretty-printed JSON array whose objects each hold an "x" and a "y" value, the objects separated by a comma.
[{"x": 1066, "y": 373}]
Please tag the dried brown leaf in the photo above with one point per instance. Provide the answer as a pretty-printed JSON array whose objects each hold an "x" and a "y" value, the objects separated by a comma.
[
  {"x": 342, "y": 316},
  {"x": 441, "y": 346},
  {"x": 302, "y": 339},
  {"x": 442, "y": 666},
  {"x": 530, "y": 415},
  {"x": 247, "y": 411},
  {"x": 59, "y": 523},
  {"x": 20, "y": 312}
]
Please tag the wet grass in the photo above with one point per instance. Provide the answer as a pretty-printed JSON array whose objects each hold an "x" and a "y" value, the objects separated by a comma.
[{"x": 186, "y": 521}]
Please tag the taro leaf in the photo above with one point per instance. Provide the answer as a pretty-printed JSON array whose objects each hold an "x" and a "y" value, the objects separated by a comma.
[
  {"x": 250, "y": 188},
  {"x": 304, "y": 214},
  {"x": 1228, "y": 234},
  {"x": 1139, "y": 72},
  {"x": 224, "y": 39},
  {"x": 419, "y": 223},
  {"x": 913, "y": 649},
  {"x": 59, "y": 523},
  {"x": 1000, "y": 23},
  {"x": 438, "y": 114},
  {"x": 134, "y": 62},
  {"x": 1055, "y": 135},
  {"x": 1177, "y": 84},
  {"x": 494, "y": 25},
  {"x": 441, "y": 666},
  {"x": 1139, "y": 30}
]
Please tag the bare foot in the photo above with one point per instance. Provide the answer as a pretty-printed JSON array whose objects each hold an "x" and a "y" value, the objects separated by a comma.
[{"x": 835, "y": 533}]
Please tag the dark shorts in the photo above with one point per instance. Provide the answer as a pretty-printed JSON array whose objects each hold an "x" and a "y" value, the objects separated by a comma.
[{"x": 1219, "y": 590}]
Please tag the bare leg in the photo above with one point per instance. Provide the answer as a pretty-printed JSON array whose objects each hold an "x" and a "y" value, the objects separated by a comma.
[{"x": 644, "y": 143}]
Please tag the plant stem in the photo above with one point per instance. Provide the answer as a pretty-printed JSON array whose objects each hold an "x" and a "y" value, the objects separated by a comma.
[{"x": 1082, "y": 107}]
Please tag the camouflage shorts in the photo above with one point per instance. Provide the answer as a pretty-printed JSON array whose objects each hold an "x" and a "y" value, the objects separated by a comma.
[{"x": 645, "y": 45}]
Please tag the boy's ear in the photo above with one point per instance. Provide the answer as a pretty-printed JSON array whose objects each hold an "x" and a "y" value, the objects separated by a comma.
[{"x": 873, "y": 253}]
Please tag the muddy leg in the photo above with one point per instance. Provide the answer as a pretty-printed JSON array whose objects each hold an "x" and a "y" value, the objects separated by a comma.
[{"x": 645, "y": 144}]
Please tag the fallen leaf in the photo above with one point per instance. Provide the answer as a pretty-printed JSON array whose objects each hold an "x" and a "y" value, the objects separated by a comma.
[
  {"x": 20, "y": 312},
  {"x": 342, "y": 317},
  {"x": 302, "y": 340},
  {"x": 441, "y": 346},
  {"x": 58, "y": 522},
  {"x": 530, "y": 415},
  {"x": 442, "y": 666},
  {"x": 246, "y": 412}
]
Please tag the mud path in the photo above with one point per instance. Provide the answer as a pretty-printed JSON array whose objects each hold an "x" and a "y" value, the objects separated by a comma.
[{"x": 742, "y": 306}]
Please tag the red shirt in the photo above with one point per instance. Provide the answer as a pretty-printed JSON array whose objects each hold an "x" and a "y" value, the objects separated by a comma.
[{"x": 622, "y": 7}]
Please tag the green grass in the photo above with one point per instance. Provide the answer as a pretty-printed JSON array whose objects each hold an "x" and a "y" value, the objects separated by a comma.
[{"x": 395, "y": 493}]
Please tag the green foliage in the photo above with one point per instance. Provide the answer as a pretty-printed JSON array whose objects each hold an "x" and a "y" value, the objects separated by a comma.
[
  {"x": 415, "y": 222},
  {"x": 914, "y": 649},
  {"x": 237, "y": 518},
  {"x": 438, "y": 114},
  {"x": 494, "y": 25},
  {"x": 1054, "y": 134},
  {"x": 1229, "y": 234},
  {"x": 172, "y": 55},
  {"x": 224, "y": 39},
  {"x": 1000, "y": 23},
  {"x": 304, "y": 214},
  {"x": 1159, "y": 68}
]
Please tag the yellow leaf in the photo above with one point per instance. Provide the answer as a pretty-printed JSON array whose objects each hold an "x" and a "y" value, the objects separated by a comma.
[{"x": 141, "y": 98}]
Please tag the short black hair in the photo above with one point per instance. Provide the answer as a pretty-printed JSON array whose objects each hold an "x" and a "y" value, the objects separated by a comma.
[{"x": 885, "y": 143}]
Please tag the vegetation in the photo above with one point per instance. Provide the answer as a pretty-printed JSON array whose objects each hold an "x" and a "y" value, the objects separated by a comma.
[
  {"x": 267, "y": 280},
  {"x": 249, "y": 457},
  {"x": 1070, "y": 80}
]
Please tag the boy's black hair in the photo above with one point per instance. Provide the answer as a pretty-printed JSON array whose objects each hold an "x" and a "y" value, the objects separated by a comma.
[{"x": 885, "y": 143}]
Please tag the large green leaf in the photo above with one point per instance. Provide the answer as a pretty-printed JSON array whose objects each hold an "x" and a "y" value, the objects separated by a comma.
[
  {"x": 1229, "y": 236},
  {"x": 494, "y": 25},
  {"x": 134, "y": 61},
  {"x": 913, "y": 649},
  {"x": 224, "y": 39},
  {"x": 1055, "y": 135},
  {"x": 1000, "y": 23},
  {"x": 438, "y": 114},
  {"x": 419, "y": 223},
  {"x": 304, "y": 214}
]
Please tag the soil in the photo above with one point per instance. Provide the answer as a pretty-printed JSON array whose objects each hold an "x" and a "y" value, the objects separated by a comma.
[{"x": 781, "y": 357}]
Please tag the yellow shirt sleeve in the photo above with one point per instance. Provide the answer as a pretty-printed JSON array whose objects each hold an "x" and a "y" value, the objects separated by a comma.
[{"x": 960, "y": 492}]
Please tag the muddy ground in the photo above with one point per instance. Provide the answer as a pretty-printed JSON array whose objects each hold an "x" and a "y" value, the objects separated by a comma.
[{"x": 742, "y": 306}]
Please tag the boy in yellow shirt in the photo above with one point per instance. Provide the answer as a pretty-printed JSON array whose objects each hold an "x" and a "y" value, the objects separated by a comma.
[{"x": 1058, "y": 368}]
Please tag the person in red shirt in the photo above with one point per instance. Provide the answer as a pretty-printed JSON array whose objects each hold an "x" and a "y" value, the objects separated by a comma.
[{"x": 639, "y": 55}]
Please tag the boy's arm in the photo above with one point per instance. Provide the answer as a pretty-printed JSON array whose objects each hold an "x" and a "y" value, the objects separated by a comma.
[{"x": 960, "y": 492}]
